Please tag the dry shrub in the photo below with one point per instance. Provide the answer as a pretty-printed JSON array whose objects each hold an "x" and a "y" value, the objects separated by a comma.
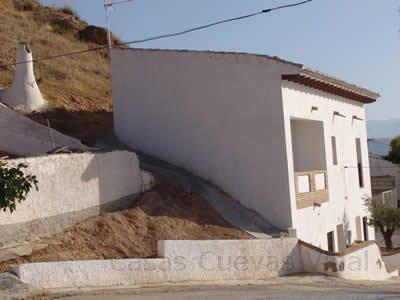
[
  {"x": 68, "y": 10},
  {"x": 26, "y": 5}
]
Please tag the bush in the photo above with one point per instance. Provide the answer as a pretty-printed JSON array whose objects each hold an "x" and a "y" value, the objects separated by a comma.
[
  {"x": 14, "y": 186},
  {"x": 394, "y": 154},
  {"x": 68, "y": 10},
  {"x": 386, "y": 219},
  {"x": 26, "y": 5}
]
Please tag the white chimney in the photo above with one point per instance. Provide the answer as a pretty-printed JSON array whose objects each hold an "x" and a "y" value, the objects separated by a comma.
[{"x": 23, "y": 94}]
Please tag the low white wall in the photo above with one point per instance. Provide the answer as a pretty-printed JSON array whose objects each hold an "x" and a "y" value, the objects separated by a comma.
[
  {"x": 365, "y": 263},
  {"x": 234, "y": 259},
  {"x": 195, "y": 261},
  {"x": 72, "y": 183},
  {"x": 209, "y": 261}
]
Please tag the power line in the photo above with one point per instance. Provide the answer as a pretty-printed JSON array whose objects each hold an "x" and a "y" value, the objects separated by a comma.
[
  {"x": 162, "y": 36},
  {"x": 369, "y": 167}
]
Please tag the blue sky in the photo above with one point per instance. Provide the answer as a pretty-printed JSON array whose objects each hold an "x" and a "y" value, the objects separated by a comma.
[{"x": 356, "y": 40}]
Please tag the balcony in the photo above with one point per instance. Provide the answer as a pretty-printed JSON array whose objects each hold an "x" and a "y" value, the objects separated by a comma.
[
  {"x": 308, "y": 149},
  {"x": 311, "y": 188}
]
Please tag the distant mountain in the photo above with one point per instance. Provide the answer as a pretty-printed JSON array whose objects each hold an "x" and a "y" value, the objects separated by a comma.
[
  {"x": 380, "y": 147},
  {"x": 383, "y": 128}
]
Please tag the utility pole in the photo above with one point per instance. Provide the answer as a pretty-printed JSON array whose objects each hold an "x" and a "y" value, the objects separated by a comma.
[
  {"x": 107, "y": 7},
  {"x": 108, "y": 4}
]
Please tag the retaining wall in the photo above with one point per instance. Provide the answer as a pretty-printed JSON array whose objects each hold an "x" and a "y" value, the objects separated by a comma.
[
  {"x": 209, "y": 261},
  {"x": 360, "y": 262},
  {"x": 71, "y": 187},
  {"x": 196, "y": 261}
]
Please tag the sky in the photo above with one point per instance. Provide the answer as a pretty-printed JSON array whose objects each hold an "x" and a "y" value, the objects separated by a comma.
[{"x": 356, "y": 40}]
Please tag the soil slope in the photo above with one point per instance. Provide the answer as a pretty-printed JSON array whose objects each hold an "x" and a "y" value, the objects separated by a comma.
[
  {"x": 77, "y": 88},
  {"x": 167, "y": 212}
]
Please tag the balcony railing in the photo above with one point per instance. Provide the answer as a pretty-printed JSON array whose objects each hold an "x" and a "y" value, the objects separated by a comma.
[{"x": 311, "y": 188}]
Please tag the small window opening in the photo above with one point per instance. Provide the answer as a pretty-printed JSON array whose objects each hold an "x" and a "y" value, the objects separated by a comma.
[{"x": 334, "y": 150}]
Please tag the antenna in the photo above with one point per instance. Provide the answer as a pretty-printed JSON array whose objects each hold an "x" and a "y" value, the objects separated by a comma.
[{"x": 108, "y": 4}]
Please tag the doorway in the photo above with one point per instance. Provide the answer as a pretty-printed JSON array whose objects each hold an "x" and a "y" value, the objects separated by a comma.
[{"x": 365, "y": 228}]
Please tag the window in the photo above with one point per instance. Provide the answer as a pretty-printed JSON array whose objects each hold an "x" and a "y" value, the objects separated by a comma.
[
  {"x": 387, "y": 198},
  {"x": 334, "y": 150},
  {"x": 359, "y": 163},
  {"x": 331, "y": 241},
  {"x": 348, "y": 237}
]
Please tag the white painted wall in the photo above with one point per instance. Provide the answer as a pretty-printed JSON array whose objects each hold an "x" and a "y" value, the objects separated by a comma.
[
  {"x": 346, "y": 197},
  {"x": 23, "y": 94},
  {"x": 22, "y": 136},
  {"x": 70, "y": 183},
  {"x": 381, "y": 167},
  {"x": 181, "y": 261},
  {"x": 363, "y": 264},
  {"x": 217, "y": 115},
  {"x": 205, "y": 262}
]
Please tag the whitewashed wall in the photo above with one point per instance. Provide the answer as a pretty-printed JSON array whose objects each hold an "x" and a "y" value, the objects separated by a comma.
[
  {"x": 217, "y": 115},
  {"x": 207, "y": 262},
  {"x": 180, "y": 261},
  {"x": 365, "y": 263},
  {"x": 345, "y": 195},
  {"x": 71, "y": 187}
]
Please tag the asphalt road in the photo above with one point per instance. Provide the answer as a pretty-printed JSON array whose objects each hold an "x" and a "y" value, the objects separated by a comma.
[{"x": 305, "y": 287}]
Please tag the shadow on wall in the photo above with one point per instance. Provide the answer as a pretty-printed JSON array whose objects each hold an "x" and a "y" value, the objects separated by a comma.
[
  {"x": 83, "y": 125},
  {"x": 112, "y": 196}
]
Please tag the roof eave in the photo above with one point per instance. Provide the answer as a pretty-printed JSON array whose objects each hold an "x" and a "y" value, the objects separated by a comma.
[{"x": 320, "y": 81}]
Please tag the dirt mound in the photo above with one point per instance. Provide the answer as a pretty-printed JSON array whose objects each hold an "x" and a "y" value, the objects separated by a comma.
[
  {"x": 167, "y": 212},
  {"x": 97, "y": 35}
]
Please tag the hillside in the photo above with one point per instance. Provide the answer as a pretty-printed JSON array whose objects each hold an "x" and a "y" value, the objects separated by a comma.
[{"x": 77, "y": 88}]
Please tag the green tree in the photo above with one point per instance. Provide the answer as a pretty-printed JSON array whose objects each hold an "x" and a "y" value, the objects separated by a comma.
[
  {"x": 394, "y": 154},
  {"x": 14, "y": 186},
  {"x": 387, "y": 219}
]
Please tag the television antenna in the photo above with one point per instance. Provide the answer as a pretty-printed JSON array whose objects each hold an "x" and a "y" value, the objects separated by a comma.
[{"x": 108, "y": 4}]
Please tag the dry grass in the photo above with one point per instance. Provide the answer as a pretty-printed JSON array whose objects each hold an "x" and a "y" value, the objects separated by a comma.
[{"x": 74, "y": 83}]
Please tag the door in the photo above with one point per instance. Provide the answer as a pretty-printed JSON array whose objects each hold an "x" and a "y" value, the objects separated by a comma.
[
  {"x": 358, "y": 229},
  {"x": 341, "y": 238},
  {"x": 365, "y": 228},
  {"x": 331, "y": 242}
]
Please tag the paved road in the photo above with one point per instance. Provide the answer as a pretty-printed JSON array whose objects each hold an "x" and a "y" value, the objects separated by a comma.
[
  {"x": 247, "y": 293},
  {"x": 296, "y": 287}
]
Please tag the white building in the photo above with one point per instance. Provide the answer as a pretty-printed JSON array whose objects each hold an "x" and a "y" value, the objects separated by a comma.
[
  {"x": 380, "y": 167},
  {"x": 283, "y": 139}
]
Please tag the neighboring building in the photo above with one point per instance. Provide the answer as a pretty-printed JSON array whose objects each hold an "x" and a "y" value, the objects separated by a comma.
[
  {"x": 285, "y": 140},
  {"x": 380, "y": 167},
  {"x": 384, "y": 189}
]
